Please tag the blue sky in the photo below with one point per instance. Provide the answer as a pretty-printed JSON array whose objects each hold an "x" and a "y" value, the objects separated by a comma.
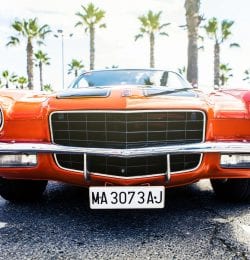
[{"x": 115, "y": 45}]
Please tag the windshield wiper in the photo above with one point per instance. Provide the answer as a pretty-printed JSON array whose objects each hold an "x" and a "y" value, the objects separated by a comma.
[{"x": 145, "y": 92}]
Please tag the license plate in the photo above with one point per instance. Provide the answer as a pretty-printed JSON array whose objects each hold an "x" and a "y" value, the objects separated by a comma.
[{"x": 132, "y": 197}]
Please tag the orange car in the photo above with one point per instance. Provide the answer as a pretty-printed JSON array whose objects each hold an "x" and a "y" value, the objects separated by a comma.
[{"x": 126, "y": 135}]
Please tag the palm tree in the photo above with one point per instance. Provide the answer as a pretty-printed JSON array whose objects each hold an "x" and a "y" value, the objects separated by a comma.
[
  {"x": 6, "y": 76},
  {"x": 193, "y": 20},
  {"x": 150, "y": 25},
  {"x": 13, "y": 79},
  {"x": 48, "y": 88},
  {"x": 225, "y": 73},
  {"x": 21, "y": 81},
  {"x": 112, "y": 67},
  {"x": 89, "y": 19},
  {"x": 219, "y": 33},
  {"x": 182, "y": 70},
  {"x": 30, "y": 30},
  {"x": 41, "y": 59},
  {"x": 247, "y": 75},
  {"x": 75, "y": 66}
]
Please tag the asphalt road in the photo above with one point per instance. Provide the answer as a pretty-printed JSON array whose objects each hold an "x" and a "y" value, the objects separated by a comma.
[{"x": 194, "y": 225}]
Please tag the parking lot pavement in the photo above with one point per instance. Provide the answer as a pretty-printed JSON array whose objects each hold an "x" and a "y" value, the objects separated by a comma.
[{"x": 193, "y": 225}]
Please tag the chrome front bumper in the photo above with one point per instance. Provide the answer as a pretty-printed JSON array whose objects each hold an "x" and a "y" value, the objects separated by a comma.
[{"x": 207, "y": 147}]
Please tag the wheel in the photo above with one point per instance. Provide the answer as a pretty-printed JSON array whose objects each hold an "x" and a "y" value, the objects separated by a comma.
[
  {"x": 232, "y": 189},
  {"x": 22, "y": 190}
]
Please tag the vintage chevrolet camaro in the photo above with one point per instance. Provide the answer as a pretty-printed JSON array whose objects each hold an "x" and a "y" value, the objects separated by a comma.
[{"x": 127, "y": 135}]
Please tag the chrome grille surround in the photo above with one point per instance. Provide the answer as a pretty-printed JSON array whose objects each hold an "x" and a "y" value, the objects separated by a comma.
[{"x": 181, "y": 122}]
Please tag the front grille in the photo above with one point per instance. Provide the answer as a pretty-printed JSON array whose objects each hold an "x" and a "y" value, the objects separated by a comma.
[
  {"x": 130, "y": 129},
  {"x": 130, "y": 167},
  {"x": 126, "y": 130}
]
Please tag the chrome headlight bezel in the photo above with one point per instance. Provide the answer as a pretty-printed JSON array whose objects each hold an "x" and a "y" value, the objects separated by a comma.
[{"x": 1, "y": 119}]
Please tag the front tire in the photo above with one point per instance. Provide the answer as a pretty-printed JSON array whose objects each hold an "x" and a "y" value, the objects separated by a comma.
[
  {"x": 234, "y": 190},
  {"x": 22, "y": 190}
]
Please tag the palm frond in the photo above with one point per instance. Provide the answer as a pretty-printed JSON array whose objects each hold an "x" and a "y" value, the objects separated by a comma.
[
  {"x": 103, "y": 26},
  {"x": 211, "y": 28},
  {"x": 13, "y": 41},
  {"x": 40, "y": 42},
  {"x": 30, "y": 28},
  {"x": 5, "y": 73},
  {"x": 17, "y": 25},
  {"x": 164, "y": 25},
  {"x": 164, "y": 33},
  {"x": 78, "y": 24},
  {"x": 138, "y": 36},
  {"x": 234, "y": 44},
  {"x": 90, "y": 16},
  {"x": 150, "y": 24}
]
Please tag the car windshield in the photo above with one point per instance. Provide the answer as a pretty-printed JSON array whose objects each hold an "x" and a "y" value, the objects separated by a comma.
[{"x": 130, "y": 77}]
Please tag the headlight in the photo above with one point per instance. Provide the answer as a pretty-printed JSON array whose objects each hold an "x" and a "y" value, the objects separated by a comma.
[
  {"x": 18, "y": 160},
  {"x": 235, "y": 161}
]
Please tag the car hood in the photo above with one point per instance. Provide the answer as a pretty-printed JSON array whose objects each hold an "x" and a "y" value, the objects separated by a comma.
[
  {"x": 233, "y": 103},
  {"x": 129, "y": 97},
  {"x": 222, "y": 104}
]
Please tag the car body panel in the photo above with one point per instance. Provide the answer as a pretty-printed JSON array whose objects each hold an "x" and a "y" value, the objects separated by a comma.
[{"x": 26, "y": 120}]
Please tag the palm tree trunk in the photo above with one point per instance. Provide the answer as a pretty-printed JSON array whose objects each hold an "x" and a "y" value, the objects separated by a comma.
[
  {"x": 216, "y": 64},
  {"x": 41, "y": 75},
  {"x": 92, "y": 47},
  {"x": 152, "y": 48},
  {"x": 223, "y": 80},
  {"x": 29, "y": 51},
  {"x": 193, "y": 21}
]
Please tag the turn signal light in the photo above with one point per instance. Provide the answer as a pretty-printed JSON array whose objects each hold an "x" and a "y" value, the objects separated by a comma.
[
  {"x": 18, "y": 160},
  {"x": 235, "y": 161}
]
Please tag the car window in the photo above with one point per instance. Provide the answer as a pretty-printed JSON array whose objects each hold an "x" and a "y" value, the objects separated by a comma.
[{"x": 130, "y": 77}]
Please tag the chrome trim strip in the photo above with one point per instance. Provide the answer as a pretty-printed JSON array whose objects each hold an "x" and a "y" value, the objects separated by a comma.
[
  {"x": 168, "y": 173},
  {"x": 85, "y": 170},
  {"x": 207, "y": 147}
]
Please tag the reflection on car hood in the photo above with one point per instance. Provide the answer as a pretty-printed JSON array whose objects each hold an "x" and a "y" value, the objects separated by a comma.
[
  {"x": 186, "y": 92},
  {"x": 146, "y": 91}
]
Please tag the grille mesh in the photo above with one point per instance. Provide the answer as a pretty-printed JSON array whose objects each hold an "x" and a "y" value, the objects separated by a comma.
[
  {"x": 130, "y": 167},
  {"x": 127, "y": 130}
]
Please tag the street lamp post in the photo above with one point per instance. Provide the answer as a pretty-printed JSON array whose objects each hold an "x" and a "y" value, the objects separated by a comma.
[{"x": 60, "y": 32}]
